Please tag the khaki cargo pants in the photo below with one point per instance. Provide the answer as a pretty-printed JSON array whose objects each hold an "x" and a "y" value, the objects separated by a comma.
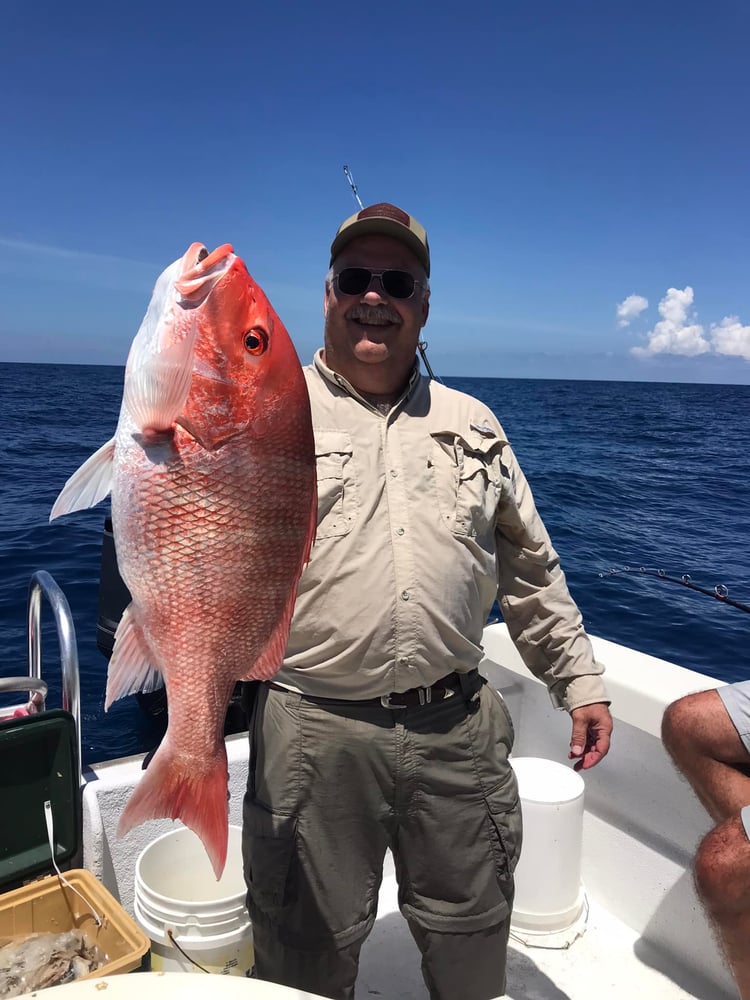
[{"x": 330, "y": 788}]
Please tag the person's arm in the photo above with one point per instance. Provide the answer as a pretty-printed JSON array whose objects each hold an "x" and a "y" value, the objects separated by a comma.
[{"x": 543, "y": 619}]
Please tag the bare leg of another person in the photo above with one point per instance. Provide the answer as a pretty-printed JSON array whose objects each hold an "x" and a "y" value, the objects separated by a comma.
[
  {"x": 706, "y": 747},
  {"x": 722, "y": 877}
]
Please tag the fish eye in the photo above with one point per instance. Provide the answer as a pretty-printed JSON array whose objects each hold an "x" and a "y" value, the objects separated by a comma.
[{"x": 256, "y": 341}]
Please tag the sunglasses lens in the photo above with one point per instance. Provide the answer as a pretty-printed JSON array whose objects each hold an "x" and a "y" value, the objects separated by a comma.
[
  {"x": 398, "y": 284},
  {"x": 354, "y": 280}
]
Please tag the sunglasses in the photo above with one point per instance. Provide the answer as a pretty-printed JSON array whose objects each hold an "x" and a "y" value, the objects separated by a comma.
[{"x": 356, "y": 281}]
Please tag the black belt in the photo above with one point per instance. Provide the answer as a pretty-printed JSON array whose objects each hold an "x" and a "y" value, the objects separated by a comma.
[{"x": 467, "y": 684}]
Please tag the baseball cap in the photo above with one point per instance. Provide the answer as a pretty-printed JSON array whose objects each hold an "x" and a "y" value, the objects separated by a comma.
[{"x": 386, "y": 220}]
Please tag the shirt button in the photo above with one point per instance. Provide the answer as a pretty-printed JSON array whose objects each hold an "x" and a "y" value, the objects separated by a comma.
[
  {"x": 403, "y": 661},
  {"x": 400, "y": 531},
  {"x": 404, "y": 595},
  {"x": 393, "y": 473}
]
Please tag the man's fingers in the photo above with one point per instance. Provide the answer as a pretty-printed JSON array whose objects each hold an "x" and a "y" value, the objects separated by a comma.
[{"x": 592, "y": 726}]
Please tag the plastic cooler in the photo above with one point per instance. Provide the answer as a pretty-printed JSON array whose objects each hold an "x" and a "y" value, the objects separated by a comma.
[{"x": 38, "y": 765}]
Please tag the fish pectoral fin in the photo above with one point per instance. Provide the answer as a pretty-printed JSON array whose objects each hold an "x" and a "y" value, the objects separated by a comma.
[
  {"x": 158, "y": 384},
  {"x": 89, "y": 484},
  {"x": 131, "y": 668}
]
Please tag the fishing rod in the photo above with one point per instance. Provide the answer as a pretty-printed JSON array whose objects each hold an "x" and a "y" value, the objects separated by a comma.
[
  {"x": 719, "y": 593},
  {"x": 353, "y": 186},
  {"x": 422, "y": 345},
  {"x": 422, "y": 348}
]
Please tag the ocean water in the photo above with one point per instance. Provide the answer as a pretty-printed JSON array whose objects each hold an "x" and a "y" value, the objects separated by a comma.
[{"x": 624, "y": 474}]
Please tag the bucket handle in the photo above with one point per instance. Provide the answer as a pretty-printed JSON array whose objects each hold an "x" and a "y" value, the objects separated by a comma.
[{"x": 182, "y": 951}]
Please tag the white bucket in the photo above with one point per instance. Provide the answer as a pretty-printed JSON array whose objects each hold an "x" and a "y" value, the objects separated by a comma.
[
  {"x": 176, "y": 892},
  {"x": 550, "y": 899}
]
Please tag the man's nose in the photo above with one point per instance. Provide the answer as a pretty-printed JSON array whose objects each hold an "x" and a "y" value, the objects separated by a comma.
[{"x": 375, "y": 290}]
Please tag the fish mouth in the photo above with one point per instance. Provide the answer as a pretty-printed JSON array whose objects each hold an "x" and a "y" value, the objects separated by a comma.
[{"x": 201, "y": 272}]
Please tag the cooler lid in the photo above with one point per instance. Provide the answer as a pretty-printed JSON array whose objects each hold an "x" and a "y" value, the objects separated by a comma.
[
  {"x": 38, "y": 764},
  {"x": 175, "y": 986}
]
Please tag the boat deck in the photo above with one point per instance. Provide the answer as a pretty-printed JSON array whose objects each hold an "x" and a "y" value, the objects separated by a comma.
[
  {"x": 608, "y": 960},
  {"x": 646, "y": 934}
]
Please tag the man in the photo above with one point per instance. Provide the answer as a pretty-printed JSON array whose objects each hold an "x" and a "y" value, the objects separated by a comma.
[
  {"x": 708, "y": 737},
  {"x": 379, "y": 732}
]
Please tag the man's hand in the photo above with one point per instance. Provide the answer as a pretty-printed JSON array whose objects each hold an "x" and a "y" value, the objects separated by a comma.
[{"x": 592, "y": 727}]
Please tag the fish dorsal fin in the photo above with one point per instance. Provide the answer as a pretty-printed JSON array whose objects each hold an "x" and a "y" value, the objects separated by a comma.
[
  {"x": 131, "y": 668},
  {"x": 89, "y": 484},
  {"x": 271, "y": 656}
]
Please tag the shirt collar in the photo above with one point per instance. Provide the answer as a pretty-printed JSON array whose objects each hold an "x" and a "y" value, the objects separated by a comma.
[{"x": 342, "y": 383}]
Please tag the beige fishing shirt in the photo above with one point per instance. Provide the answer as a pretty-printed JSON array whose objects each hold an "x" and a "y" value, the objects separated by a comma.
[{"x": 424, "y": 517}]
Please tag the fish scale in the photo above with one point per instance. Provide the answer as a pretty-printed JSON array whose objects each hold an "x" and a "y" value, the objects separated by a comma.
[{"x": 212, "y": 475}]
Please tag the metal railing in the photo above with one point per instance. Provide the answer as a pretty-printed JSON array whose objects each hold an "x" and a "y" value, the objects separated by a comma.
[{"x": 43, "y": 584}]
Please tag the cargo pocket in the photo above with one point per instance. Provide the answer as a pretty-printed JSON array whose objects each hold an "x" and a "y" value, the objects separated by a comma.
[
  {"x": 268, "y": 852},
  {"x": 500, "y": 701},
  {"x": 505, "y": 831},
  {"x": 338, "y": 498}
]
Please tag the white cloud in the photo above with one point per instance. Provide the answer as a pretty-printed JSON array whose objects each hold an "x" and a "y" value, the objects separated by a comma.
[
  {"x": 630, "y": 308},
  {"x": 731, "y": 337},
  {"x": 674, "y": 333}
]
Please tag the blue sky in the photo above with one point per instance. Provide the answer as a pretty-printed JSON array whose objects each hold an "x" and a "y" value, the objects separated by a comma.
[{"x": 567, "y": 160}]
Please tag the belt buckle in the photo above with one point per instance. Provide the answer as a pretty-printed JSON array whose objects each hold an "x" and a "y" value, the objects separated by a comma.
[
  {"x": 423, "y": 693},
  {"x": 385, "y": 701}
]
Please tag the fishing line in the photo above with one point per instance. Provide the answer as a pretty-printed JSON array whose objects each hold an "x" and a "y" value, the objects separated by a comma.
[{"x": 719, "y": 593}]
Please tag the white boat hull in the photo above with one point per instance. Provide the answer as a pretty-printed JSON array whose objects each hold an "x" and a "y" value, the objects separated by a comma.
[{"x": 646, "y": 933}]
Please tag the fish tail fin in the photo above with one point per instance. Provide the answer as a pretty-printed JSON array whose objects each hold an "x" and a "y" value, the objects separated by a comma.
[{"x": 173, "y": 789}]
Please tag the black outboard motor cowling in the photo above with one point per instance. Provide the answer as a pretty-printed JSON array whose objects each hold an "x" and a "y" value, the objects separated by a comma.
[{"x": 114, "y": 596}]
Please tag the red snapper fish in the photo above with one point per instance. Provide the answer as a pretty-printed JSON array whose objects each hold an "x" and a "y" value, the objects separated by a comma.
[{"x": 212, "y": 476}]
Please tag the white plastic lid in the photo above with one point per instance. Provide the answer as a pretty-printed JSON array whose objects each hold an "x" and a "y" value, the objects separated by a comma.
[
  {"x": 173, "y": 986},
  {"x": 541, "y": 780}
]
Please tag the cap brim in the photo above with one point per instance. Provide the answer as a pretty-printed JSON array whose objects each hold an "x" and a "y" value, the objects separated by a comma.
[{"x": 382, "y": 227}]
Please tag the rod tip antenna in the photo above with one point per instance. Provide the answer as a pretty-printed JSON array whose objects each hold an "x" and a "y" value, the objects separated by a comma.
[{"x": 352, "y": 185}]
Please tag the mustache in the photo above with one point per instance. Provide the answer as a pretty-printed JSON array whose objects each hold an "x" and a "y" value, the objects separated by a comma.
[{"x": 373, "y": 314}]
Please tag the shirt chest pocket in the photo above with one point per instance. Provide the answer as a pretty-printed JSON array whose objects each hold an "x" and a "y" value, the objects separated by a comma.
[
  {"x": 469, "y": 480},
  {"x": 338, "y": 497}
]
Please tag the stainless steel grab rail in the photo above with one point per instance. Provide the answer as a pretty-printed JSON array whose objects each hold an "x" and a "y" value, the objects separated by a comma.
[
  {"x": 34, "y": 685},
  {"x": 42, "y": 583}
]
